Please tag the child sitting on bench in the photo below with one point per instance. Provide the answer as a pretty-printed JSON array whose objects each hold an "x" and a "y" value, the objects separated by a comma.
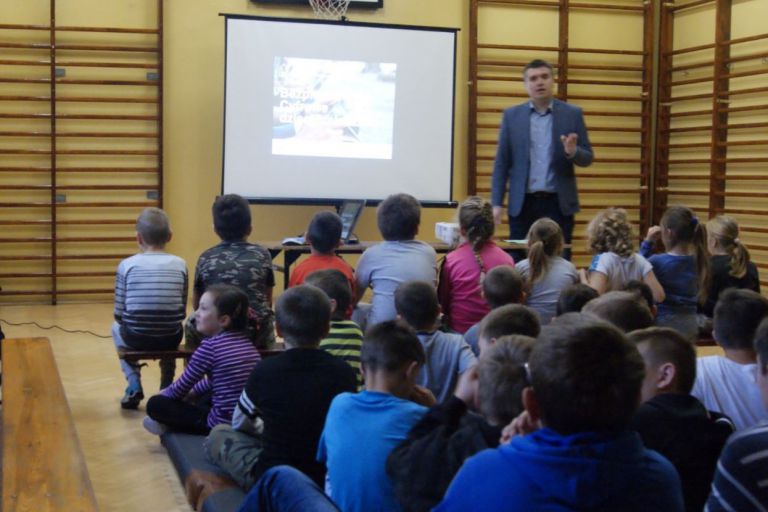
[{"x": 150, "y": 302}]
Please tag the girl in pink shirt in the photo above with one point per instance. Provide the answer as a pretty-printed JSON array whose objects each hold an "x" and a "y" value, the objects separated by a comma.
[{"x": 465, "y": 267}]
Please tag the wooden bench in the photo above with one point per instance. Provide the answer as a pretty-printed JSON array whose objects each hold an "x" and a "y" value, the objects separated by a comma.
[{"x": 43, "y": 465}]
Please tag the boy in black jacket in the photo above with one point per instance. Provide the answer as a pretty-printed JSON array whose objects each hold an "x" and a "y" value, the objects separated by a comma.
[
  {"x": 672, "y": 421},
  {"x": 422, "y": 466}
]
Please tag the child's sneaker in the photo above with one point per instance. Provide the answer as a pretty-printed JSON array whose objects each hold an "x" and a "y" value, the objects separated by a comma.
[
  {"x": 154, "y": 427},
  {"x": 132, "y": 398}
]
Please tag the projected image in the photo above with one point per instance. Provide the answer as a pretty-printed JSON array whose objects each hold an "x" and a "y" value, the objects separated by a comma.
[{"x": 331, "y": 108}]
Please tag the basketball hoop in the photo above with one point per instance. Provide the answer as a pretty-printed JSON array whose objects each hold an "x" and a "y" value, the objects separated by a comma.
[{"x": 330, "y": 9}]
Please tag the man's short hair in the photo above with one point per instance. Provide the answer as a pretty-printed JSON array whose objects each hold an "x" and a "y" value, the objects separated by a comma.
[
  {"x": 502, "y": 377},
  {"x": 398, "y": 217},
  {"x": 586, "y": 375},
  {"x": 336, "y": 286},
  {"x": 154, "y": 227},
  {"x": 573, "y": 298},
  {"x": 665, "y": 345},
  {"x": 502, "y": 285},
  {"x": 416, "y": 303},
  {"x": 389, "y": 346},
  {"x": 324, "y": 232},
  {"x": 641, "y": 289},
  {"x": 625, "y": 310},
  {"x": 231, "y": 217},
  {"x": 510, "y": 319},
  {"x": 535, "y": 64},
  {"x": 737, "y": 315},
  {"x": 761, "y": 346},
  {"x": 303, "y": 315}
]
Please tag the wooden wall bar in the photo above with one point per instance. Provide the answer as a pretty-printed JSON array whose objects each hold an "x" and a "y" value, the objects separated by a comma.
[{"x": 80, "y": 150}]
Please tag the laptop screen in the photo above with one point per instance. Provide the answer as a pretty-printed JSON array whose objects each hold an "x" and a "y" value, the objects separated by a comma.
[{"x": 349, "y": 212}]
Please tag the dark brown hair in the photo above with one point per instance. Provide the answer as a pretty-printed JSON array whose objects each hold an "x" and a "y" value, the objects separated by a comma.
[
  {"x": 502, "y": 377},
  {"x": 684, "y": 228},
  {"x": 666, "y": 345},
  {"x": 545, "y": 240}
]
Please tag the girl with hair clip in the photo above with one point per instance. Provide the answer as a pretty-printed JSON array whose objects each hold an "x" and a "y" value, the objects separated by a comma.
[
  {"x": 544, "y": 271},
  {"x": 730, "y": 261},
  {"x": 683, "y": 270},
  {"x": 610, "y": 238},
  {"x": 207, "y": 392},
  {"x": 464, "y": 268}
]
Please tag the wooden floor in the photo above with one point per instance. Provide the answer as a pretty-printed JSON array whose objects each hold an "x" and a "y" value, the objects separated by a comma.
[{"x": 129, "y": 469}]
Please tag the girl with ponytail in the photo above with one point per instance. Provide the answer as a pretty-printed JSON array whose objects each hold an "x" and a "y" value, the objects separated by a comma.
[
  {"x": 730, "y": 261},
  {"x": 544, "y": 271},
  {"x": 464, "y": 268},
  {"x": 683, "y": 270}
]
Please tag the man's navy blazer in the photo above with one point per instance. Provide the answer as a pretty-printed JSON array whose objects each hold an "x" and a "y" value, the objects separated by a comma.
[{"x": 513, "y": 156}]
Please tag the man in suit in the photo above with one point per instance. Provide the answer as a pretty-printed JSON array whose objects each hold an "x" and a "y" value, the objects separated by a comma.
[{"x": 539, "y": 143}]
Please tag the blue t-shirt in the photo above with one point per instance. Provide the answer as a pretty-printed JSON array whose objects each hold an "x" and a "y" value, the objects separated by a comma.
[
  {"x": 677, "y": 275},
  {"x": 360, "y": 431}
]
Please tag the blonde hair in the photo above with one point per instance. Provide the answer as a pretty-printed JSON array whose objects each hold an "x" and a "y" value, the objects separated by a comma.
[
  {"x": 725, "y": 232},
  {"x": 476, "y": 220},
  {"x": 610, "y": 231},
  {"x": 545, "y": 240},
  {"x": 684, "y": 228}
]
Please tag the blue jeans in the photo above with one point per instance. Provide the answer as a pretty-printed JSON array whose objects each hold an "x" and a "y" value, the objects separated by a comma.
[{"x": 286, "y": 489}]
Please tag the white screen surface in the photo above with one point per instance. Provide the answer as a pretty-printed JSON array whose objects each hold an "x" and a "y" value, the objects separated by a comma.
[{"x": 321, "y": 112}]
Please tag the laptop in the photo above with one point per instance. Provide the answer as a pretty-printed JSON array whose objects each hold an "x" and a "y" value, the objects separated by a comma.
[{"x": 350, "y": 211}]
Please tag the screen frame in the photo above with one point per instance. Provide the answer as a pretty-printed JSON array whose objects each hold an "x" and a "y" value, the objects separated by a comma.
[
  {"x": 299, "y": 201},
  {"x": 359, "y": 205}
]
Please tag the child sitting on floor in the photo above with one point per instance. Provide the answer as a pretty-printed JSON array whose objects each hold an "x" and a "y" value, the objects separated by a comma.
[
  {"x": 361, "y": 429},
  {"x": 683, "y": 270},
  {"x": 345, "y": 339},
  {"x": 573, "y": 298},
  {"x": 464, "y": 269},
  {"x": 423, "y": 465},
  {"x": 616, "y": 262},
  {"x": 502, "y": 285},
  {"x": 625, "y": 310},
  {"x": 673, "y": 422},
  {"x": 505, "y": 321},
  {"x": 323, "y": 236},
  {"x": 585, "y": 386},
  {"x": 545, "y": 272},
  {"x": 282, "y": 409},
  {"x": 220, "y": 366},
  {"x": 727, "y": 383},
  {"x": 150, "y": 302},
  {"x": 448, "y": 355}
]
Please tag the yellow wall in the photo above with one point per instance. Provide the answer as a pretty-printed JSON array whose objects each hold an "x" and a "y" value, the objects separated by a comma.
[{"x": 194, "y": 84}]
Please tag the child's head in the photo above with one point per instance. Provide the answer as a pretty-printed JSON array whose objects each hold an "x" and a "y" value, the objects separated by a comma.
[
  {"x": 324, "y": 232},
  {"x": 610, "y": 231},
  {"x": 231, "y": 218},
  {"x": 545, "y": 240},
  {"x": 681, "y": 228},
  {"x": 625, "y": 310},
  {"x": 398, "y": 217},
  {"x": 737, "y": 315},
  {"x": 153, "y": 228},
  {"x": 223, "y": 307},
  {"x": 502, "y": 377},
  {"x": 643, "y": 291},
  {"x": 670, "y": 361},
  {"x": 303, "y": 316},
  {"x": 761, "y": 348},
  {"x": 476, "y": 221},
  {"x": 336, "y": 286},
  {"x": 506, "y": 320},
  {"x": 392, "y": 349},
  {"x": 586, "y": 376},
  {"x": 723, "y": 235},
  {"x": 574, "y": 297},
  {"x": 416, "y": 303},
  {"x": 503, "y": 285}
]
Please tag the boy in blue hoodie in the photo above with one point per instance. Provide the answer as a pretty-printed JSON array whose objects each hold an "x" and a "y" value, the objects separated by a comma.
[{"x": 585, "y": 387}]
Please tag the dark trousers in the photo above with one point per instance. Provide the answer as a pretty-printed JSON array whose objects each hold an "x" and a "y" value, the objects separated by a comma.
[
  {"x": 180, "y": 416},
  {"x": 535, "y": 207}
]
